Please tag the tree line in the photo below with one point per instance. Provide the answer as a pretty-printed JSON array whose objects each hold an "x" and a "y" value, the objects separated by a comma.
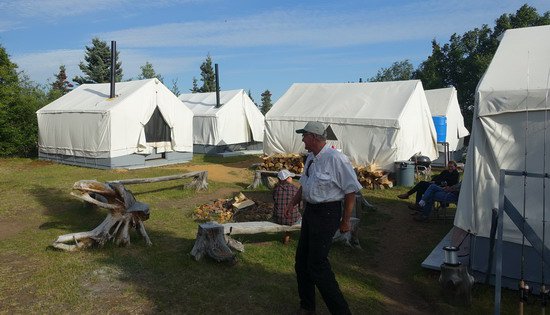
[
  {"x": 20, "y": 97},
  {"x": 460, "y": 62},
  {"x": 463, "y": 60}
]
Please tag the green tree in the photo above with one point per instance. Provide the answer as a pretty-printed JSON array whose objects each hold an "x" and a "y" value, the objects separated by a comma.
[
  {"x": 432, "y": 70},
  {"x": 208, "y": 77},
  {"x": 97, "y": 68},
  {"x": 19, "y": 100},
  {"x": 195, "y": 87},
  {"x": 400, "y": 70},
  {"x": 60, "y": 86},
  {"x": 148, "y": 72},
  {"x": 175, "y": 88},
  {"x": 266, "y": 102},
  {"x": 251, "y": 98},
  {"x": 464, "y": 59}
]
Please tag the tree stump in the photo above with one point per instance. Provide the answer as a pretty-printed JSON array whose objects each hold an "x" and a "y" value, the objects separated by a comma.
[
  {"x": 125, "y": 212},
  {"x": 211, "y": 241}
]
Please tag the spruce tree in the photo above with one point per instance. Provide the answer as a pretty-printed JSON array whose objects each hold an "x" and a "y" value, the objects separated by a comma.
[
  {"x": 97, "y": 68},
  {"x": 148, "y": 72},
  {"x": 195, "y": 87},
  {"x": 60, "y": 86},
  {"x": 175, "y": 88},
  {"x": 251, "y": 98},
  {"x": 266, "y": 102},
  {"x": 208, "y": 77}
]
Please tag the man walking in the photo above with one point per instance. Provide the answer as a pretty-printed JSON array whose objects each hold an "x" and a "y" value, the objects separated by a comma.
[{"x": 328, "y": 178}]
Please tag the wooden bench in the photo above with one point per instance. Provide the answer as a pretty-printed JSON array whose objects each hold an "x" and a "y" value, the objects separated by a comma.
[
  {"x": 199, "y": 180},
  {"x": 214, "y": 239}
]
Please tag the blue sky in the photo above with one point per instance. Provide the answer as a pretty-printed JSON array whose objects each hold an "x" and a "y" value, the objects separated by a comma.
[{"x": 258, "y": 44}]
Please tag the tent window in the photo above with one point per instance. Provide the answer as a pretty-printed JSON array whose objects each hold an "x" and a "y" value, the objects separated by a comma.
[{"x": 156, "y": 129}]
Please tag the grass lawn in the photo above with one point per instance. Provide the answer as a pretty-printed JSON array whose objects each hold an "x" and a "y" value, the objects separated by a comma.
[{"x": 36, "y": 207}]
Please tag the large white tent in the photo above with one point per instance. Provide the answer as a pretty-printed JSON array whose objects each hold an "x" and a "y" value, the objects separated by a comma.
[
  {"x": 511, "y": 130},
  {"x": 378, "y": 122},
  {"x": 144, "y": 125},
  {"x": 444, "y": 102},
  {"x": 237, "y": 124}
]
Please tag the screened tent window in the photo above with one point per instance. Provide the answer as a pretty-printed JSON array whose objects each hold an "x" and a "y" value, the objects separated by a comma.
[{"x": 156, "y": 129}]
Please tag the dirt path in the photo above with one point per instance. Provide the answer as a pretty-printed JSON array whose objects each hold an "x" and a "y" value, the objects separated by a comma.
[
  {"x": 225, "y": 173},
  {"x": 391, "y": 262}
]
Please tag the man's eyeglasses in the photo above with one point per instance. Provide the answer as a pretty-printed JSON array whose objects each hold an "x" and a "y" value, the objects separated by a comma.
[{"x": 306, "y": 134}]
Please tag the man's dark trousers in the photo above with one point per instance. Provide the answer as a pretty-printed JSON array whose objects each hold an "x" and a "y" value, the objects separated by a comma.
[{"x": 319, "y": 223}]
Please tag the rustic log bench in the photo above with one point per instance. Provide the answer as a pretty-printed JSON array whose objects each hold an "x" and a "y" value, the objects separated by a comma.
[
  {"x": 199, "y": 180},
  {"x": 214, "y": 239}
]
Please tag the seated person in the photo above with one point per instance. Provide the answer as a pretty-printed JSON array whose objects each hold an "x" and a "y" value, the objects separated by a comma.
[
  {"x": 448, "y": 177},
  {"x": 282, "y": 195},
  {"x": 447, "y": 194}
]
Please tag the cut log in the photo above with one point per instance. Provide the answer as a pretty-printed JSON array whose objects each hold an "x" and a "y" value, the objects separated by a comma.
[
  {"x": 211, "y": 241},
  {"x": 199, "y": 181}
]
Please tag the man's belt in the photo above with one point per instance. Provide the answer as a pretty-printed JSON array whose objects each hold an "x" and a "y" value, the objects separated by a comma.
[{"x": 324, "y": 204}]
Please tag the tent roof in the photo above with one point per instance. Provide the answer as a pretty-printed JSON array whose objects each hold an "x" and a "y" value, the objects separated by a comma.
[
  {"x": 204, "y": 104},
  {"x": 523, "y": 52},
  {"x": 373, "y": 103},
  {"x": 518, "y": 76},
  {"x": 95, "y": 97},
  {"x": 439, "y": 100}
]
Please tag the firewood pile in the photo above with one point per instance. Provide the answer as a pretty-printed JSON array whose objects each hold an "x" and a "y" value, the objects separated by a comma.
[
  {"x": 237, "y": 209},
  {"x": 372, "y": 177},
  {"x": 277, "y": 162}
]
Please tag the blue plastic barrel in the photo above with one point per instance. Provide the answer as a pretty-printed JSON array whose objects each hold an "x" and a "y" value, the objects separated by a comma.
[
  {"x": 404, "y": 171},
  {"x": 440, "y": 123}
]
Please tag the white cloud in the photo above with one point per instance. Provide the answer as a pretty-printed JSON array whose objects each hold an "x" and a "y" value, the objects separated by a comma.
[
  {"x": 42, "y": 66},
  {"x": 17, "y": 12},
  {"x": 317, "y": 28}
]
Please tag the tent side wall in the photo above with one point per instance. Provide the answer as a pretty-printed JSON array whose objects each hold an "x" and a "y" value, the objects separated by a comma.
[
  {"x": 374, "y": 145},
  {"x": 382, "y": 141},
  {"x": 500, "y": 142},
  {"x": 66, "y": 133}
]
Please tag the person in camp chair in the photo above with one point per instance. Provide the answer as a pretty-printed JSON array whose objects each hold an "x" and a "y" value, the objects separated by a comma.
[
  {"x": 447, "y": 194},
  {"x": 448, "y": 177}
]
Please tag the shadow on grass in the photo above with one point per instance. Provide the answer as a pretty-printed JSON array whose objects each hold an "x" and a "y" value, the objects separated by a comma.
[
  {"x": 67, "y": 212},
  {"x": 164, "y": 278}
]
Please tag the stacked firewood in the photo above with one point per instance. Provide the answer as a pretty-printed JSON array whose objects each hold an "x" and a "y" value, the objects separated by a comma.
[
  {"x": 372, "y": 177},
  {"x": 237, "y": 209},
  {"x": 277, "y": 162}
]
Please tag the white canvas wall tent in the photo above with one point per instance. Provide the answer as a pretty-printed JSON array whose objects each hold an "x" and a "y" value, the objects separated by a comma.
[
  {"x": 378, "y": 122},
  {"x": 236, "y": 125},
  {"x": 144, "y": 125},
  {"x": 444, "y": 102},
  {"x": 511, "y": 130}
]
